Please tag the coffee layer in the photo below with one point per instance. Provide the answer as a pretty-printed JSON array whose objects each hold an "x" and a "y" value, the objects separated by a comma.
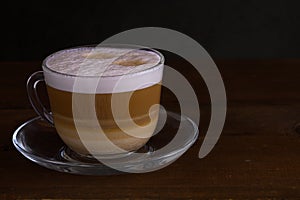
[{"x": 76, "y": 124}]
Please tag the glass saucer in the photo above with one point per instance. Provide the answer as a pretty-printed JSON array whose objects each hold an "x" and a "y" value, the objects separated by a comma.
[{"x": 40, "y": 143}]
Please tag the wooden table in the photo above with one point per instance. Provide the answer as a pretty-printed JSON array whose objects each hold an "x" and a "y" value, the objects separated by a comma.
[{"x": 257, "y": 156}]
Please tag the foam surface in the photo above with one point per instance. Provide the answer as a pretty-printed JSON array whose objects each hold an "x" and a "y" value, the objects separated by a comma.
[
  {"x": 102, "y": 70},
  {"x": 101, "y": 61}
]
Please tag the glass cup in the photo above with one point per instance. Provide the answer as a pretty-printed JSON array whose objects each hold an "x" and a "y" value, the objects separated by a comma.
[{"x": 110, "y": 113}]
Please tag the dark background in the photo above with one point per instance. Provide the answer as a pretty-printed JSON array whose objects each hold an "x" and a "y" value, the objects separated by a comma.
[{"x": 233, "y": 29}]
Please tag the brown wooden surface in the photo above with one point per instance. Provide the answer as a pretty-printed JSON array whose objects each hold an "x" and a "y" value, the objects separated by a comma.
[{"x": 257, "y": 156}]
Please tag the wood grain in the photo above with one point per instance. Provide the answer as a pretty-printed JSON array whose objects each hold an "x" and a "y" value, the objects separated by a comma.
[{"x": 257, "y": 156}]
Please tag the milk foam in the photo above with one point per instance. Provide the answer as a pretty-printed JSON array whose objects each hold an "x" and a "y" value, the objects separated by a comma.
[
  {"x": 102, "y": 61},
  {"x": 102, "y": 69}
]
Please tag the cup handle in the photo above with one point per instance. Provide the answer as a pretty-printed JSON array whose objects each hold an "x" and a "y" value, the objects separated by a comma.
[{"x": 34, "y": 99}]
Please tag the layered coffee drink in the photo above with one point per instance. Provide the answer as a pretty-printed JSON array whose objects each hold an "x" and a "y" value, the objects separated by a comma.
[{"x": 104, "y": 100}]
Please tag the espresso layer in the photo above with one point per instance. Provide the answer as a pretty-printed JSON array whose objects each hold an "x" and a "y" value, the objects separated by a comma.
[{"x": 115, "y": 125}]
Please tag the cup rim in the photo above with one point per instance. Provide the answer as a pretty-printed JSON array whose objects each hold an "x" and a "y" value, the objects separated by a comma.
[{"x": 130, "y": 46}]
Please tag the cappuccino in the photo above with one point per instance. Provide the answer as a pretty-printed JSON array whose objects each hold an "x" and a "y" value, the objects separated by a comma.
[{"x": 121, "y": 84}]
